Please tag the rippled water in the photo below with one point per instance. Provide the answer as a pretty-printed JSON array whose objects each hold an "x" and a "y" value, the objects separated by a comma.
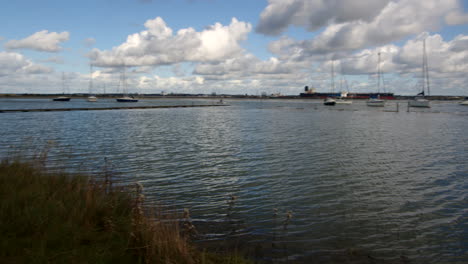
[{"x": 363, "y": 184}]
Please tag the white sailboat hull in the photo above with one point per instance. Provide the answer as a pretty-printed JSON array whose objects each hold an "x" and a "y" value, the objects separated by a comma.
[
  {"x": 126, "y": 99},
  {"x": 464, "y": 103},
  {"x": 329, "y": 101},
  {"x": 92, "y": 99},
  {"x": 341, "y": 101},
  {"x": 376, "y": 103},
  {"x": 61, "y": 99},
  {"x": 419, "y": 103}
]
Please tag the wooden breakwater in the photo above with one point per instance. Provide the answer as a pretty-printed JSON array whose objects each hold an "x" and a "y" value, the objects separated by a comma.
[{"x": 103, "y": 108}]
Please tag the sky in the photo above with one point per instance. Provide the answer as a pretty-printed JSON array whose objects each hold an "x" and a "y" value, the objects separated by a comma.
[{"x": 233, "y": 46}]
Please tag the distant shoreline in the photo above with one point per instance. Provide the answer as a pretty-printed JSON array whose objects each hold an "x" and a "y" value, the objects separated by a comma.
[{"x": 221, "y": 96}]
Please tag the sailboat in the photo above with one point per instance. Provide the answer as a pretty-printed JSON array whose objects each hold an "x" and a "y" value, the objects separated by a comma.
[
  {"x": 377, "y": 102},
  {"x": 419, "y": 100},
  {"x": 343, "y": 94},
  {"x": 125, "y": 98},
  {"x": 62, "y": 98},
  {"x": 91, "y": 98},
  {"x": 464, "y": 102},
  {"x": 329, "y": 100}
]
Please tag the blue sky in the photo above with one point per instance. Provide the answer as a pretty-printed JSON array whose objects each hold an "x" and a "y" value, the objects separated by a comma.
[{"x": 235, "y": 47}]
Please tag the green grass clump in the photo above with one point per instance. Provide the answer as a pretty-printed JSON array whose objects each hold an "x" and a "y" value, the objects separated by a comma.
[{"x": 61, "y": 218}]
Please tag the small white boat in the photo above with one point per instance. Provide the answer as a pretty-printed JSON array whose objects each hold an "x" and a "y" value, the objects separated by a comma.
[
  {"x": 91, "y": 98},
  {"x": 127, "y": 99},
  {"x": 464, "y": 102},
  {"x": 329, "y": 101},
  {"x": 374, "y": 102}
]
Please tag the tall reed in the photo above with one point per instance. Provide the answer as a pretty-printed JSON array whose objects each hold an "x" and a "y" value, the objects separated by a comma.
[{"x": 51, "y": 217}]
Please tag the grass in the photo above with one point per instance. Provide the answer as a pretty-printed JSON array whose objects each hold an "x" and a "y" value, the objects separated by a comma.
[{"x": 50, "y": 217}]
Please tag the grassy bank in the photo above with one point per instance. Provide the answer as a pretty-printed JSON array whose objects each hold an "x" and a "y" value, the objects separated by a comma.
[{"x": 61, "y": 218}]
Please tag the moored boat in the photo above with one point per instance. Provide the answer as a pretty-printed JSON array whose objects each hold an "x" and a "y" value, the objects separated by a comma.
[
  {"x": 464, "y": 102},
  {"x": 127, "y": 99},
  {"x": 419, "y": 100},
  {"x": 377, "y": 101},
  {"x": 61, "y": 99},
  {"x": 309, "y": 93},
  {"x": 329, "y": 101},
  {"x": 91, "y": 98}
]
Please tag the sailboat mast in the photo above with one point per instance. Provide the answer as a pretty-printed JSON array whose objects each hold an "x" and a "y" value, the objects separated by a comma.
[
  {"x": 333, "y": 76},
  {"x": 378, "y": 73},
  {"x": 90, "y": 78},
  {"x": 125, "y": 81},
  {"x": 63, "y": 83},
  {"x": 341, "y": 78},
  {"x": 425, "y": 70}
]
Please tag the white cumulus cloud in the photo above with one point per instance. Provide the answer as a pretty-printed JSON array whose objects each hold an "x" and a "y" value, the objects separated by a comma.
[
  {"x": 247, "y": 66},
  {"x": 447, "y": 61},
  {"x": 314, "y": 14},
  {"x": 40, "y": 41},
  {"x": 12, "y": 63},
  {"x": 158, "y": 45},
  {"x": 393, "y": 21},
  {"x": 19, "y": 74}
]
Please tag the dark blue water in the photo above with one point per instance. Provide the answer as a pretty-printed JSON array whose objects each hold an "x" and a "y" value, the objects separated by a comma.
[{"x": 362, "y": 184}]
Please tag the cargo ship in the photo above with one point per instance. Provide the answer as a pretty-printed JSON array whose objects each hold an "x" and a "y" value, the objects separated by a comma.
[{"x": 312, "y": 94}]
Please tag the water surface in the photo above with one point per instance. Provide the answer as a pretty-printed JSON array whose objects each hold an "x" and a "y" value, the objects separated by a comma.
[{"x": 362, "y": 184}]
